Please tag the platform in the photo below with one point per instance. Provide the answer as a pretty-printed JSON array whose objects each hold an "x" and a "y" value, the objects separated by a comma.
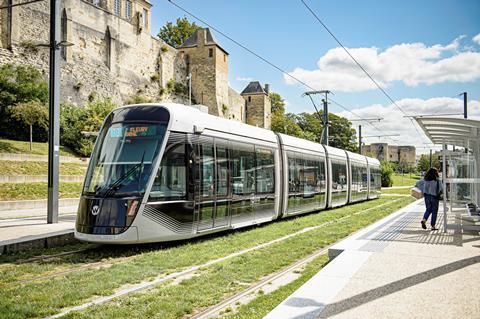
[
  {"x": 18, "y": 234},
  {"x": 394, "y": 269}
]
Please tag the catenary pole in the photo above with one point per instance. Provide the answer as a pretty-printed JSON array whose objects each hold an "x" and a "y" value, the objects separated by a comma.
[
  {"x": 464, "y": 105},
  {"x": 325, "y": 120},
  {"x": 360, "y": 139},
  {"x": 54, "y": 113}
]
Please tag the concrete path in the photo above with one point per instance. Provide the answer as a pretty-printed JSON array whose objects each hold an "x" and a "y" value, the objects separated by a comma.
[
  {"x": 394, "y": 269},
  {"x": 38, "y": 212}
]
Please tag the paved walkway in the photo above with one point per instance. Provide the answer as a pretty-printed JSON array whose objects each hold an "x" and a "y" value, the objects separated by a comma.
[
  {"x": 394, "y": 269},
  {"x": 23, "y": 233}
]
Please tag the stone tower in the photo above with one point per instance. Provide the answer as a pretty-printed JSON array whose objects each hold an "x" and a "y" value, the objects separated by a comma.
[
  {"x": 258, "y": 108},
  {"x": 207, "y": 61}
]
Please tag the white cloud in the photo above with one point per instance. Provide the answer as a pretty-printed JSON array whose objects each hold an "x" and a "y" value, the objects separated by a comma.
[
  {"x": 476, "y": 38},
  {"x": 395, "y": 123},
  {"x": 411, "y": 63},
  {"x": 244, "y": 79}
]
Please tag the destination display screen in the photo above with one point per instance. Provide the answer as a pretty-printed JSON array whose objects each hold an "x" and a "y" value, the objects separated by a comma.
[{"x": 133, "y": 131}]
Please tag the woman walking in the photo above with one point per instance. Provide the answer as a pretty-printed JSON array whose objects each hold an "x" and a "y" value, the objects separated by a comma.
[{"x": 431, "y": 188}]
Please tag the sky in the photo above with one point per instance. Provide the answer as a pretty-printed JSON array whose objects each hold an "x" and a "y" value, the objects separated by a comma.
[{"x": 422, "y": 53}]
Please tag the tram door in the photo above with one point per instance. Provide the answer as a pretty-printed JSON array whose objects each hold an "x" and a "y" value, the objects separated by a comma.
[{"x": 212, "y": 200}]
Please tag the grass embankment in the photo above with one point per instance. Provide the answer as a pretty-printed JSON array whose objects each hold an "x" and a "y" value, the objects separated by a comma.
[
  {"x": 211, "y": 284},
  {"x": 21, "y": 147},
  {"x": 39, "y": 168},
  {"x": 399, "y": 191},
  {"x": 10, "y": 191},
  {"x": 405, "y": 179}
]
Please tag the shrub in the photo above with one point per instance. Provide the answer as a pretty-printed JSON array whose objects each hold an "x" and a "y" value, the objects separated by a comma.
[
  {"x": 75, "y": 120},
  {"x": 387, "y": 173},
  {"x": 138, "y": 99}
]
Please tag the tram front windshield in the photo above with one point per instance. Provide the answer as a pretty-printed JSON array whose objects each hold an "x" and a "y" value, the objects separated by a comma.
[{"x": 123, "y": 160}]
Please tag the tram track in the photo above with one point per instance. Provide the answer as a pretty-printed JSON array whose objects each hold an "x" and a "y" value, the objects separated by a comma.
[
  {"x": 232, "y": 301},
  {"x": 187, "y": 273}
]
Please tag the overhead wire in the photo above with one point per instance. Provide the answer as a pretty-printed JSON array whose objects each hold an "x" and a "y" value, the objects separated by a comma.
[
  {"x": 260, "y": 57},
  {"x": 358, "y": 64}
]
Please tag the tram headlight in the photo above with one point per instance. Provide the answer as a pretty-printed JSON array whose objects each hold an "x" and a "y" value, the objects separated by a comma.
[{"x": 132, "y": 208}]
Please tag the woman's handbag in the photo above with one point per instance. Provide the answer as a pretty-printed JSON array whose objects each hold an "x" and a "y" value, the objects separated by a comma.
[{"x": 416, "y": 192}]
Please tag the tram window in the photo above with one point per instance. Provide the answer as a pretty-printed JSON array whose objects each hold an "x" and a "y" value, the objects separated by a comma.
[
  {"x": 310, "y": 178},
  {"x": 243, "y": 170},
  {"x": 222, "y": 171},
  {"x": 265, "y": 176},
  {"x": 207, "y": 167},
  {"x": 292, "y": 176},
  {"x": 171, "y": 182},
  {"x": 339, "y": 176},
  {"x": 321, "y": 178}
]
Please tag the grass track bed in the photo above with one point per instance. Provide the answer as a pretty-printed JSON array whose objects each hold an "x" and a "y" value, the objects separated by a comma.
[
  {"x": 49, "y": 297},
  {"x": 217, "y": 282},
  {"x": 399, "y": 191}
]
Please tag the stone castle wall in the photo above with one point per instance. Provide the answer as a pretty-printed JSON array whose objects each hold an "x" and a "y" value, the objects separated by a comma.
[
  {"x": 136, "y": 64},
  {"x": 117, "y": 58},
  {"x": 392, "y": 153},
  {"x": 258, "y": 109}
]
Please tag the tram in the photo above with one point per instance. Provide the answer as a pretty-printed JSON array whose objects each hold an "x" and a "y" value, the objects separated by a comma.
[{"x": 163, "y": 172}]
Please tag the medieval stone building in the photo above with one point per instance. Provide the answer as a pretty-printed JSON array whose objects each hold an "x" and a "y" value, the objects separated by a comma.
[
  {"x": 392, "y": 153},
  {"x": 113, "y": 54}
]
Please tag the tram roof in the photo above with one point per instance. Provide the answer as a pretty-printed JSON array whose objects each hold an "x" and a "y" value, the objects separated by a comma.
[
  {"x": 301, "y": 143},
  {"x": 357, "y": 157},
  {"x": 191, "y": 119}
]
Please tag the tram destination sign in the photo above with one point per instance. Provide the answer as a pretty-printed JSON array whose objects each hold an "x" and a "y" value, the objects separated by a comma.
[{"x": 132, "y": 131}]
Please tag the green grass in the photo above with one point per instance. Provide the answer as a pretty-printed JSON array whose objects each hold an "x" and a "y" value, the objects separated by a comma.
[
  {"x": 39, "y": 168},
  {"x": 405, "y": 180},
  {"x": 11, "y": 191},
  {"x": 132, "y": 264},
  {"x": 218, "y": 281},
  {"x": 263, "y": 304},
  {"x": 21, "y": 147},
  {"x": 400, "y": 191}
]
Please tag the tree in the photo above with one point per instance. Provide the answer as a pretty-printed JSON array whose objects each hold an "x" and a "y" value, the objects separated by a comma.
[
  {"x": 424, "y": 162},
  {"x": 278, "y": 104},
  {"x": 31, "y": 113},
  {"x": 341, "y": 133},
  {"x": 176, "y": 34},
  {"x": 281, "y": 122},
  {"x": 386, "y": 170},
  {"x": 19, "y": 83}
]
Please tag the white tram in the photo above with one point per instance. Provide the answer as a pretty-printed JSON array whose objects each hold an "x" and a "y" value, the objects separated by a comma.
[{"x": 169, "y": 172}]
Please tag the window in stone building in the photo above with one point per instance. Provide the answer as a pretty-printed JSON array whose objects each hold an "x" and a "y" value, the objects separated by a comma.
[
  {"x": 249, "y": 99},
  {"x": 63, "y": 32},
  {"x": 210, "y": 53},
  {"x": 108, "y": 46},
  {"x": 187, "y": 62},
  {"x": 224, "y": 58},
  {"x": 128, "y": 9},
  {"x": 6, "y": 27},
  {"x": 144, "y": 18},
  {"x": 117, "y": 7}
]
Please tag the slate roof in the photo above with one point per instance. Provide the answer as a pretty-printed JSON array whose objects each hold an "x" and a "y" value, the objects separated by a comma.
[
  {"x": 193, "y": 39},
  {"x": 253, "y": 88}
]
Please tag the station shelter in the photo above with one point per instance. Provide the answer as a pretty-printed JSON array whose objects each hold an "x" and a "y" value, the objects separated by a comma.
[{"x": 460, "y": 168}]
